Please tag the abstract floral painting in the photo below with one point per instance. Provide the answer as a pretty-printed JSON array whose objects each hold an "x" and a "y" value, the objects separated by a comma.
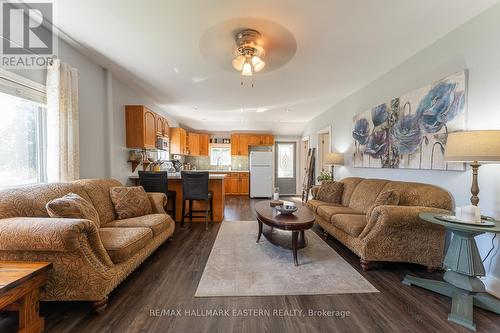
[{"x": 410, "y": 131}]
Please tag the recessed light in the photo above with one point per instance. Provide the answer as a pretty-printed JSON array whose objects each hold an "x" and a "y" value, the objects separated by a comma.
[{"x": 287, "y": 110}]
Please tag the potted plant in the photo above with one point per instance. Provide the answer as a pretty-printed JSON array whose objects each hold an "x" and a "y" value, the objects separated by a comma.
[{"x": 324, "y": 176}]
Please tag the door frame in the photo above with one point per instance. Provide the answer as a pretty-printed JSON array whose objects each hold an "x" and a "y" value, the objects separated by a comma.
[
  {"x": 296, "y": 163},
  {"x": 325, "y": 130},
  {"x": 303, "y": 159}
]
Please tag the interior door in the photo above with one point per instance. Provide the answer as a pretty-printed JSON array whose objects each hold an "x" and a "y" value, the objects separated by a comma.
[{"x": 286, "y": 168}]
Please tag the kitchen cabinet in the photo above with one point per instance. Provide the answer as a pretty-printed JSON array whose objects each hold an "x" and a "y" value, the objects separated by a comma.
[
  {"x": 178, "y": 141},
  {"x": 239, "y": 145},
  {"x": 193, "y": 144},
  {"x": 268, "y": 140},
  {"x": 237, "y": 183},
  {"x": 203, "y": 144},
  {"x": 254, "y": 139},
  {"x": 235, "y": 144},
  {"x": 140, "y": 126},
  {"x": 240, "y": 142},
  {"x": 159, "y": 126},
  {"x": 166, "y": 128}
]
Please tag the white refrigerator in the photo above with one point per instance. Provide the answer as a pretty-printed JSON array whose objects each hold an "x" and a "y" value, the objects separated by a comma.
[{"x": 261, "y": 174}]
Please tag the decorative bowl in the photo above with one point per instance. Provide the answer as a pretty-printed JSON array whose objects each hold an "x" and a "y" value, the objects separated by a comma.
[{"x": 285, "y": 209}]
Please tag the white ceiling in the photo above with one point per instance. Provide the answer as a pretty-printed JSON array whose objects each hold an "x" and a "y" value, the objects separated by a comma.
[{"x": 341, "y": 45}]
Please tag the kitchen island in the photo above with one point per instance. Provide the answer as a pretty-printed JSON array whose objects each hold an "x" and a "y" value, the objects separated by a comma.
[{"x": 215, "y": 184}]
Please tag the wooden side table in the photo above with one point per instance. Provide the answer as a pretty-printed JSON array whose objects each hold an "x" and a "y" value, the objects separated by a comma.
[
  {"x": 20, "y": 284},
  {"x": 463, "y": 267}
]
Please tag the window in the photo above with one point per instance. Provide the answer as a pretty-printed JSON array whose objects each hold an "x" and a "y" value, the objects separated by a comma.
[
  {"x": 220, "y": 155},
  {"x": 22, "y": 138},
  {"x": 285, "y": 160}
]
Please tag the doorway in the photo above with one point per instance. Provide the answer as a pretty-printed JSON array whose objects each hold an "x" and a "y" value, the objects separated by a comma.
[
  {"x": 304, "y": 150},
  {"x": 324, "y": 144},
  {"x": 286, "y": 168}
]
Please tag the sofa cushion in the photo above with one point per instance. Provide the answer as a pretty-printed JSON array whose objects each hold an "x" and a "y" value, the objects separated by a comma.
[
  {"x": 123, "y": 243},
  {"x": 72, "y": 206},
  {"x": 98, "y": 191},
  {"x": 326, "y": 212},
  {"x": 385, "y": 198},
  {"x": 365, "y": 194},
  {"x": 418, "y": 194},
  {"x": 330, "y": 191},
  {"x": 130, "y": 201},
  {"x": 352, "y": 224},
  {"x": 350, "y": 184},
  {"x": 313, "y": 204},
  {"x": 156, "y": 222},
  {"x": 30, "y": 200}
]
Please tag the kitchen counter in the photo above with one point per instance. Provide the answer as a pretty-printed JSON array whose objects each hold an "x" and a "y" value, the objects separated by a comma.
[
  {"x": 216, "y": 184},
  {"x": 223, "y": 171},
  {"x": 178, "y": 176}
]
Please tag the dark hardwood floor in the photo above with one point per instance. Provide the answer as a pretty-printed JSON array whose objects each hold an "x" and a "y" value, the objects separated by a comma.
[{"x": 169, "y": 278}]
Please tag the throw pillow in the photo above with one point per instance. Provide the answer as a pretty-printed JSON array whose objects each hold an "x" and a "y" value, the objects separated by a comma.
[
  {"x": 390, "y": 197},
  {"x": 72, "y": 206},
  {"x": 330, "y": 191},
  {"x": 130, "y": 201}
]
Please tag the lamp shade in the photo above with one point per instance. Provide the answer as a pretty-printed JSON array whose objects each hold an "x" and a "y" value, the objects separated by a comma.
[
  {"x": 334, "y": 158},
  {"x": 471, "y": 146}
]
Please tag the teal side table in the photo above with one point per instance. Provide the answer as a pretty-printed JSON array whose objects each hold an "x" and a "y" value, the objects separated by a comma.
[{"x": 463, "y": 266}]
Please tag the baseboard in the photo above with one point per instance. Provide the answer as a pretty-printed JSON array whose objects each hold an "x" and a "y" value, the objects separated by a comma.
[{"x": 492, "y": 284}]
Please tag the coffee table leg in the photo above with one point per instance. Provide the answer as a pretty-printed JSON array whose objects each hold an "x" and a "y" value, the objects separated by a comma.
[
  {"x": 295, "y": 236},
  {"x": 260, "y": 230}
]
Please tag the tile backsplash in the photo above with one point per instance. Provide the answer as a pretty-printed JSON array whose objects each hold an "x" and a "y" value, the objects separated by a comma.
[{"x": 203, "y": 163}]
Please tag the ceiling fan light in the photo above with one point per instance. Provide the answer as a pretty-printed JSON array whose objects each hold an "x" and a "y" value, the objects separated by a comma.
[
  {"x": 247, "y": 69},
  {"x": 257, "y": 63},
  {"x": 238, "y": 62}
]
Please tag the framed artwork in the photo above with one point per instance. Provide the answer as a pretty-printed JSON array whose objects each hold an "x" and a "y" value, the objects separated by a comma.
[{"x": 410, "y": 131}]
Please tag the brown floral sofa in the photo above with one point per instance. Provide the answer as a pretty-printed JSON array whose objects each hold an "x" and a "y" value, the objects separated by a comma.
[
  {"x": 88, "y": 261},
  {"x": 393, "y": 233}
]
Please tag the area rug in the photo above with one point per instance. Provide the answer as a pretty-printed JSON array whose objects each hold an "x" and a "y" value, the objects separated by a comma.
[{"x": 238, "y": 266}]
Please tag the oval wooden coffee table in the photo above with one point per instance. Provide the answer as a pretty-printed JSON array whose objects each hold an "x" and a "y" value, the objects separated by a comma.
[{"x": 280, "y": 224}]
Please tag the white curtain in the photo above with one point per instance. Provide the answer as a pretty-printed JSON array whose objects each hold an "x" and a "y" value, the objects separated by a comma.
[{"x": 63, "y": 161}]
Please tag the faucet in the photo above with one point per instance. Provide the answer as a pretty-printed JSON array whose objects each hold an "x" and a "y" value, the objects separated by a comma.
[{"x": 219, "y": 159}]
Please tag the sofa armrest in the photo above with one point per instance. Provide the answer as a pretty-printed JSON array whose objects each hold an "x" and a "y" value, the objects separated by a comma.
[
  {"x": 158, "y": 202},
  {"x": 37, "y": 234},
  {"x": 398, "y": 216},
  {"x": 314, "y": 191}
]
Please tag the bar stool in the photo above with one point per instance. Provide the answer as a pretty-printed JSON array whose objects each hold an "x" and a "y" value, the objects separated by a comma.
[
  {"x": 195, "y": 188},
  {"x": 158, "y": 182}
]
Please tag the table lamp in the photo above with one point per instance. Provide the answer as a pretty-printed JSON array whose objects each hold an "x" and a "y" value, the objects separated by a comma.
[
  {"x": 333, "y": 159},
  {"x": 474, "y": 147}
]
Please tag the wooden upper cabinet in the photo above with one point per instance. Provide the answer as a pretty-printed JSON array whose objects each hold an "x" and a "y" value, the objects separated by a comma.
[
  {"x": 193, "y": 144},
  {"x": 235, "y": 144},
  {"x": 204, "y": 144},
  {"x": 140, "y": 126},
  {"x": 244, "y": 143},
  {"x": 268, "y": 140},
  {"x": 254, "y": 139},
  {"x": 240, "y": 142},
  {"x": 166, "y": 128},
  {"x": 178, "y": 141},
  {"x": 159, "y": 126}
]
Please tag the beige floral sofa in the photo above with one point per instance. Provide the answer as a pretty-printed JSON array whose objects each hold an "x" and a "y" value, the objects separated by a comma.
[
  {"x": 393, "y": 233},
  {"x": 88, "y": 261}
]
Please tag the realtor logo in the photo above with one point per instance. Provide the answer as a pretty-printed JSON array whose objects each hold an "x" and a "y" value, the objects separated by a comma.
[{"x": 27, "y": 35}]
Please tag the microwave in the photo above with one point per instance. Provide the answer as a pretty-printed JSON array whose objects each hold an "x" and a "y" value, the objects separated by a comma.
[{"x": 162, "y": 143}]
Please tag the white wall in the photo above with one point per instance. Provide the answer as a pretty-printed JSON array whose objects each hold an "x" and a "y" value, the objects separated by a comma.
[
  {"x": 102, "y": 98},
  {"x": 473, "y": 46},
  {"x": 121, "y": 96}
]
